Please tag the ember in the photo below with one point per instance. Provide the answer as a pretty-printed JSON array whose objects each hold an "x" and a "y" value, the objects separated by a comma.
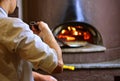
[{"x": 74, "y": 33}]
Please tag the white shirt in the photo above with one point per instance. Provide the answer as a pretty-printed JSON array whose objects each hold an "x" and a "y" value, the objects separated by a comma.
[{"x": 19, "y": 48}]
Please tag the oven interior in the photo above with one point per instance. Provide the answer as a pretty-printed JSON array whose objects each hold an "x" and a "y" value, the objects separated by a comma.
[{"x": 79, "y": 35}]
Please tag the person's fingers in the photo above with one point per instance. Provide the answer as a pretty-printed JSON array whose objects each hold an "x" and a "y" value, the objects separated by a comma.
[{"x": 53, "y": 78}]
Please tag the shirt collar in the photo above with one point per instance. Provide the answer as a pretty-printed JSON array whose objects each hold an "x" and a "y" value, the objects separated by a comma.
[{"x": 3, "y": 13}]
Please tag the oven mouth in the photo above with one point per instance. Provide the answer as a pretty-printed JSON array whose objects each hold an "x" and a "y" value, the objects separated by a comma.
[{"x": 75, "y": 34}]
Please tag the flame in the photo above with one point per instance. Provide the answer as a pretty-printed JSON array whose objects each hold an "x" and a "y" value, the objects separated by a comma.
[
  {"x": 86, "y": 35},
  {"x": 63, "y": 31},
  {"x": 72, "y": 33},
  {"x": 70, "y": 38},
  {"x": 66, "y": 37},
  {"x": 75, "y": 33},
  {"x": 69, "y": 28},
  {"x": 73, "y": 28}
]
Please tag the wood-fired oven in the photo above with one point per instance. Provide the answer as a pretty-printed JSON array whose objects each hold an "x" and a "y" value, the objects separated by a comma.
[{"x": 75, "y": 32}]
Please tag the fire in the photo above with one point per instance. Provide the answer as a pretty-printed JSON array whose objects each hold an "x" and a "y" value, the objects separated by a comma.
[
  {"x": 63, "y": 31},
  {"x": 86, "y": 35},
  {"x": 76, "y": 33},
  {"x": 69, "y": 38}
]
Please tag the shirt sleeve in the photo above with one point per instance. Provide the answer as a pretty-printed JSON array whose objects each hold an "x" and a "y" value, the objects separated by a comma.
[{"x": 31, "y": 48}]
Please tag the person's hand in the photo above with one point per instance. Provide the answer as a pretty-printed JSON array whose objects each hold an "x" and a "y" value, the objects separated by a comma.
[
  {"x": 41, "y": 77},
  {"x": 45, "y": 31},
  {"x": 34, "y": 27},
  {"x": 41, "y": 29}
]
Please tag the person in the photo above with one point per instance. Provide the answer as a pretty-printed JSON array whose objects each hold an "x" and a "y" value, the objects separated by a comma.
[
  {"x": 22, "y": 49},
  {"x": 41, "y": 77}
]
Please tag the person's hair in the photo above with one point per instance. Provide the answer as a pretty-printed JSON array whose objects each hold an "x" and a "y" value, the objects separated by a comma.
[{"x": 1, "y": 0}]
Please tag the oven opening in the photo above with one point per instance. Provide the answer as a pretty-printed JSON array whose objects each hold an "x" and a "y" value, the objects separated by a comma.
[{"x": 78, "y": 35}]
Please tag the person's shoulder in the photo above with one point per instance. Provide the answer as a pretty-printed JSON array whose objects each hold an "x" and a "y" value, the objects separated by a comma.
[
  {"x": 14, "y": 22},
  {"x": 11, "y": 20}
]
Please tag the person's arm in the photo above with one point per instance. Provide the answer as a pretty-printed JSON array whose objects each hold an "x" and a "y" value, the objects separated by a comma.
[
  {"x": 41, "y": 77},
  {"x": 45, "y": 33}
]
